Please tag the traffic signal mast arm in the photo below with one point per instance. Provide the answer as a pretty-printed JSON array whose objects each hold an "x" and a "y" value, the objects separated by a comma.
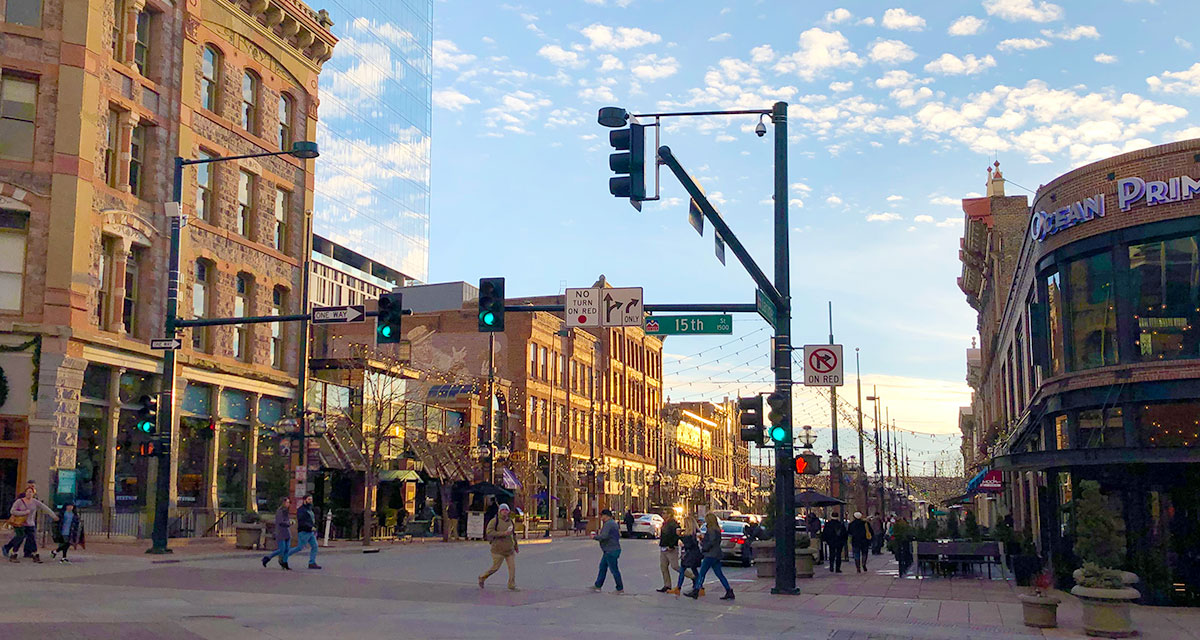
[
  {"x": 295, "y": 317},
  {"x": 710, "y": 212}
]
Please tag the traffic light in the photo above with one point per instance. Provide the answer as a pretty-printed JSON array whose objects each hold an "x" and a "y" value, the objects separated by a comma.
[
  {"x": 629, "y": 164},
  {"x": 808, "y": 464},
  {"x": 147, "y": 416},
  {"x": 147, "y": 448},
  {"x": 777, "y": 416},
  {"x": 388, "y": 323},
  {"x": 491, "y": 304},
  {"x": 750, "y": 410}
]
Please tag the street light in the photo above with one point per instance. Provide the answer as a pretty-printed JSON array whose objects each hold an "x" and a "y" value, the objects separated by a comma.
[
  {"x": 874, "y": 397},
  {"x": 302, "y": 149}
]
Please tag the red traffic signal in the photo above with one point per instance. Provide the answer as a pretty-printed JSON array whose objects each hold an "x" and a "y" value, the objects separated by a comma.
[
  {"x": 808, "y": 464},
  {"x": 801, "y": 464},
  {"x": 146, "y": 448}
]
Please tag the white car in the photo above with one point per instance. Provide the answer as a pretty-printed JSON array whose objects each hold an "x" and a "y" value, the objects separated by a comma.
[{"x": 646, "y": 525}]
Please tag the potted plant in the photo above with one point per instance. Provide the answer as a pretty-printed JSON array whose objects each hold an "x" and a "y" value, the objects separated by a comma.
[
  {"x": 1025, "y": 560},
  {"x": 1039, "y": 608},
  {"x": 805, "y": 556},
  {"x": 1102, "y": 589},
  {"x": 249, "y": 531}
]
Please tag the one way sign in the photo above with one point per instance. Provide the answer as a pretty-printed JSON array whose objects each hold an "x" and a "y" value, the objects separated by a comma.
[
  {"x": 333, "y": 315},
  {"x": 622, "y": 307}
]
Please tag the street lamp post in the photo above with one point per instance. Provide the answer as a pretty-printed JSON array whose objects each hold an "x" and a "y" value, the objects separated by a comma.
[
  {"x": 874, "y": 397},
  {"x": 304, "y": 150},
  {"x": 862, "y": 457}
]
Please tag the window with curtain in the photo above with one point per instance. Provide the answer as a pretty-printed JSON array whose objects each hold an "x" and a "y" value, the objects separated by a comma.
[
  {"x": 1165, "y": 289},
  {"x": 14, "y": 228},
  {"x": 245, "y": 209},
  {"x": 210, "y": 81},
  {"x": 241, "y": 307},
  {"x": 286, "y": 113},
  {"x": 1092, "y": 312},
  {"x": 27, "y": 13},
  {"x": 205, "y": 179},
  {"x": 249, "y": 110},
  {"x": 18, "y": 109}
]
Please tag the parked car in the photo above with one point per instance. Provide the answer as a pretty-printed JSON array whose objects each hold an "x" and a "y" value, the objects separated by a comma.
[
  {"x": 727, "y": 514},
  {"x": 735, "y": 545},
  {"x": 647, "y": 525}
]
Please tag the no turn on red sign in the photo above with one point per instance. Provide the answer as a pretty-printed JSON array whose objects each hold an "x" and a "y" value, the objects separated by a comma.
[{"x": 823, "y": 365}]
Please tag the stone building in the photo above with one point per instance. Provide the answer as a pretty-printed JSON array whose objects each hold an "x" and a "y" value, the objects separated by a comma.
[
  {"x": 706, "y": 463},
  {"x": 99, "y": 99}
]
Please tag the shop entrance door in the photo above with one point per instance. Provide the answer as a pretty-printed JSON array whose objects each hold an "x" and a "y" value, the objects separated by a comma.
[{"x": 8, "y": 484}]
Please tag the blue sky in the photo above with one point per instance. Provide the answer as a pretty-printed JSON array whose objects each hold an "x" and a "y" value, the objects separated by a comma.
[{"x": 897, "y": 109}]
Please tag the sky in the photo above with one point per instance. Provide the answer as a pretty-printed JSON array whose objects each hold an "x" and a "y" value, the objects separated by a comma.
[{"x": 896, "y": 111}]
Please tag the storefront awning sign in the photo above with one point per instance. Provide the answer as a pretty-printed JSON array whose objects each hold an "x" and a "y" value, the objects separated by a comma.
[{"x": 993, "y": 482}]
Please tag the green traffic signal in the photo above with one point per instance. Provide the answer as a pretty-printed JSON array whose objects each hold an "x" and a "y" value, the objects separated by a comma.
[
  {"x": 491, "y": 304},
  {"x": 778, "y": 434},
  {"x": 145, "y": 426},
  {"x": 488, "y": 318},
  {"x": 388, "y": 322},
  {"x": 147, "y": 416}
]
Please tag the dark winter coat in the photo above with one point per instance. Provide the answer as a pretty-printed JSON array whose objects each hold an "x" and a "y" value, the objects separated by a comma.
[
  {"x": 305, "y": 520},
  {"x": 711, "y": 545},
  {"x": 834, "y": 532},
  {"x": 692, "y": 556},
  {"x": 858, "y": 534}
]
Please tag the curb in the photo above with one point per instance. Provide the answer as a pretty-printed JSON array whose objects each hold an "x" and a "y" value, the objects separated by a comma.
[{"x": 253, "y": 553}]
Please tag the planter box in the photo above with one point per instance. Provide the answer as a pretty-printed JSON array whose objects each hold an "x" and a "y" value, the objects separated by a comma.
[
  {"x": 764, "y": 557},
  {"x": 1039, "y": 611},
  {"x": 804, "y": 562},
  {"x": 249, "y": 536},
  {"x": 1106, "y": 611}
]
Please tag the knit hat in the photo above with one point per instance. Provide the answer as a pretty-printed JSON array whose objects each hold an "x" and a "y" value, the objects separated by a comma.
[
  {"x": 858, "y": 515},
  {"x": 504, "y": 507}
]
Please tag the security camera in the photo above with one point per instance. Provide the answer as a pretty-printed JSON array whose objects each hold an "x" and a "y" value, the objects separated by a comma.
[{"x": 761, "y": 129}]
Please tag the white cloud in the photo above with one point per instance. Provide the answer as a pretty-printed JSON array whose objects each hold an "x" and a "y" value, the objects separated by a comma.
[
  {"x": 951, "y": 65},
  {"x": 891, "y": 52},
  {"x": 907, "y": 96},
  {"x": 949, "y": 222},
  {"x": 867, "y": 21},
  {"x": 609, "y": 62},
  {"x": 597, "y": 94},
  {"x": 945, "y": 201},
  {"x": 1105, "y": 58},
  {"x": 1017, "y": 10},
  {"x": 1074, "y": 33},
  {"x": 451, "y": 99},
  {"x": 902, "y": 19},
  {"x": 837, "y": 15},
  {"x": 833, "y": 200},
  {"x": 923, "y": 218},
  {"x": 894, "y": 78},
  {"x": 1022, "y": 44},
  {"x": 801, "y": 187},
  {"x": 762, "y": 53},
  {"x": 1189, "y": 133},
  {"x": 966, "y": 26},
  {"x": 1185, "y": 82},
  {"x": 839, "y": 87},
  {"x": 447, "y": 56},
  {"x": 721, "y": 37},
  {"x": 606, "y": 37},
  {"x": 651, "y": 67},
  {"x": 1183, "y": 43},
  {"x": 818, "y": 50},
  {"x": 883, "y": 217},
  {"x": 894, "y": 198},
  {"x": 560, "y": 57}
]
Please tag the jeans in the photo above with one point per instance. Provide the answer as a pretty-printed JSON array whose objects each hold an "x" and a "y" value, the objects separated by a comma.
[
  {"x": 282, "y": 551},
  {"x": 303, "y": 538},
  {"x": 609, "y": 561},
  {"x": 497, "y": 560},
  {"x": 861, "y": 554},
  {"x": 715, "y": 565},
  {"x": 26, "y": 534}
]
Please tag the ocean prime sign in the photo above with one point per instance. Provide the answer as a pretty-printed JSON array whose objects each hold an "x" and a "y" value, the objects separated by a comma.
[{"x": 1130, "y": 191}]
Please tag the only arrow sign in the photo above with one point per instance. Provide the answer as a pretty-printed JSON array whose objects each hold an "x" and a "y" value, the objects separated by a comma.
[
  {"x": 609, "y": 307},
  {"x": 631, "y": 304}
]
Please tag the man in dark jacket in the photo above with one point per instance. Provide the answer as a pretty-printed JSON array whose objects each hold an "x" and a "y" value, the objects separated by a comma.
[
  {"x": 306, "y": 532},
  {"x": 834, "y": 535},
  {"x": 668, "y": 552},
  {"x": 860, "y": 541},
  {"x": 628, "y": 520},
  {"x": 283, "y": 525},
  {"x": 609, "y": 537}
]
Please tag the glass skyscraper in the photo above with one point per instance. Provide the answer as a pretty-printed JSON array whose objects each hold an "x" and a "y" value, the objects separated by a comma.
[{"x": 372, "y": 181}]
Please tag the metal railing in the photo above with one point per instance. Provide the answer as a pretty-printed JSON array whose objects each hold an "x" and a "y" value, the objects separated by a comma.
[
  {"x": 113, "y": 523},
  {"x": 224, "y": 524}
]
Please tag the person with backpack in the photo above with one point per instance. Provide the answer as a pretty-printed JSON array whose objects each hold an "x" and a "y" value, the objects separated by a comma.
[
  {"x": 501, "y": 531},
  {"x": 23, "y": 518},
  {"x": 859, "y": 532},
  {"x": 609, "y": 537},
  {"x": 69, "y": 532}
]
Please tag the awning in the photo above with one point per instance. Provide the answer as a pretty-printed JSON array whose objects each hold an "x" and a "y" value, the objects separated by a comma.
[
  {"x": 973, "y": 483},
  {"x": 442, "y": 460},
  {"x": 399, "y": 475}
]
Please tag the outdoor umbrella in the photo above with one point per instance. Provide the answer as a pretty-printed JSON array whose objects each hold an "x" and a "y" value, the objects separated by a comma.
[
  {"x": 812, "y": 498},
  {"x": 489, "y": 489}
]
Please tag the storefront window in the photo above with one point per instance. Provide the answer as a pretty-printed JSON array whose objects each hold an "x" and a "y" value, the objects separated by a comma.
[
  {"x": 1092, "y": 310},
  {"x": 135, "y": 384},
  {"x": 195, "y": 434},
  {"x": 272, "y": 481},
  {"x": 131, "y": 468},
  {"x": 89, "y": 455},
  {"x": 1054, "y": 307},
  {"x": 1173, "y": 424},
  {"x": 232, "y": 466},
  {"x": 95, "y": 382},
  {"x": 1166, "y": 293},
  {"x": 1060, "y": 433},
  {"x": 1101, "y": 429}
]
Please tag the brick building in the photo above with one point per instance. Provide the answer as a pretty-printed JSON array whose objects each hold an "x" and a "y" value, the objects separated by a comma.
[
  {"x": 98, "y": 101},
  {"x": 706, "y": 462},
  {"x": 1090, "y": 356}
]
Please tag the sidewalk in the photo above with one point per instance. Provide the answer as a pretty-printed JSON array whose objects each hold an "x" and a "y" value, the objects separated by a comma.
[{"x": 986, "y": 606}]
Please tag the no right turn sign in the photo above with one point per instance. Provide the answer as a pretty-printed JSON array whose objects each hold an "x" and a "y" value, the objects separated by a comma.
[{"x": 823, "y": 365}]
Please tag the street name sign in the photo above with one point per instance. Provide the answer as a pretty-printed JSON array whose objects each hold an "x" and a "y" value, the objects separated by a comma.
[
  {"x": 166, "y": 344},
  {"x": 582, "y": 307},
  {"x": 684, "y": 325},
  {"x": 622, "y": 307},
  {"x": 766, "y": 308},
  {"x": 334, "y": 315},
  {"x": 823, "y": 365}
]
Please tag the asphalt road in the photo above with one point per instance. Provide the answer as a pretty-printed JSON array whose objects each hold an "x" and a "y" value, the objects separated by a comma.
[{"x": 405, "y": 591}]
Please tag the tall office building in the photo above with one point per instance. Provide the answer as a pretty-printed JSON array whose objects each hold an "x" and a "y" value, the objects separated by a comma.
[{"x": 372, "y": 187}]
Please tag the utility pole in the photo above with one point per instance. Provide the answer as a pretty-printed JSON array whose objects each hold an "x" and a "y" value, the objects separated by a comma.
[
  {"x": 887, "y": 432},
  {"x": 835, "y": 458},
  {"x": 862, "y": 458},
  {"x": 490, "y": 422}
]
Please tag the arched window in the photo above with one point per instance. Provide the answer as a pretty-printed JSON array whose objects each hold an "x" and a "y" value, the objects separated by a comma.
[
  {"x": 250, "y": 84},
  {"x": 201, "y": 283},
  {"x": 210, "y": 81},
  {"x": 287, "y": 108},
  {"x": 241, "y": 308}
]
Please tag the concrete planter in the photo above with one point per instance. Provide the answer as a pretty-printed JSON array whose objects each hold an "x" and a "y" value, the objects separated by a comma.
[
  {"x": 1106, "y": 611},
  {"x": 249, "y": 536},
  {"x": 1039, "y": 611},
  {"x": 804, "y": 562},
  {"x": 764, "y": 557}
]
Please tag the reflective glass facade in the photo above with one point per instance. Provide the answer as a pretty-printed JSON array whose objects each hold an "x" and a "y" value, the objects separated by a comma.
[{"x": 372, "y": 187}]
